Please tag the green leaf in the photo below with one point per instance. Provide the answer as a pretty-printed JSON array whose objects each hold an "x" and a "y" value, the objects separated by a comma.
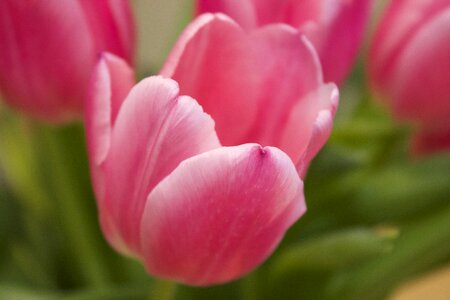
[
  {"x": 403, "y": 190},
  {"x": 422, "y": 245},
  {"x": 333, "y": 251}
]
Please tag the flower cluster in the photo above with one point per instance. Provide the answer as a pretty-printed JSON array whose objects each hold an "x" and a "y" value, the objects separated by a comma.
[{"x": 198, "y": 171}]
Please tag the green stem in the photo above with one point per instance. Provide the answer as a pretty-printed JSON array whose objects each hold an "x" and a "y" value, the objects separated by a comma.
[
  {"x": 249, "y": 287},
  {"x": 81, "y": 234},
  {"x": 20, "y": 162},
  {"x": 17, "y": 292},
  {"x": 163, "y": 290}
]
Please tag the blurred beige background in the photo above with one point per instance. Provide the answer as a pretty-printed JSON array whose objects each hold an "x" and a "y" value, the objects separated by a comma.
[
  {"x": 159, "y": 24},
  {"x": 433, "y": 286}
]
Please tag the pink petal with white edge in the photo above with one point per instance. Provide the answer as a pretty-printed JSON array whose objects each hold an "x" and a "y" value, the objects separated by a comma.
[
  {"x": 111, "y": 81},
  {"x": 309, "y": 125},
  {"x": 154, "y": 131},
  {"x": 220, "y": 214},
  {"x": 248, "y": 82}
]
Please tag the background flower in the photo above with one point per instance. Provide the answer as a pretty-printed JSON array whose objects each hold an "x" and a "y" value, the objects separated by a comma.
[
  {"x": 49, "y": 49},
  {"x": 409, "y": 68}
]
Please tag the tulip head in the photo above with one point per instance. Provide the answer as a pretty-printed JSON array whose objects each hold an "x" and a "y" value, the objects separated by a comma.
[
  {"x": 335, "y": 27},
  {"x": 170, "y": 195},
  {"x": 49, "y": 48},
  {"x": 409, "y": 68},
  {"x": 197, "y": 197}
]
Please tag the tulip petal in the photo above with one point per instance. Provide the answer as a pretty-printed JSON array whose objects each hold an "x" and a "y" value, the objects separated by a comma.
[
  {"x": 339, "y": 37},
  {"x": 113, "y": 21},
  {"x": 111, "y": 81},
  {"x": 253, "y": 13},
  {"x": 335, "y": 27},
  {"x": 309, "y": 125},
  {"x": 240, "y": 11},
  {"x": 248, "y": 82},
  {"x": 154, "y": 131},
  {"x": 292, "y": 12},
  {"x": 220, "y": 214}
]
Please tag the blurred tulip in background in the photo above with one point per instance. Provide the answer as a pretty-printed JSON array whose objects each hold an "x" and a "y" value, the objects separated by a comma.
[
  {"x": 49, "y": 48},
  {"x": 409, "y": 68},
  {"x": 335, "y": 27}
]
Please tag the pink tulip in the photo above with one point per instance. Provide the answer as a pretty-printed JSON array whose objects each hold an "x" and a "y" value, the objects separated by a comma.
[
  {"x": 49, "y": 49},
  {"x": 409, "y": 68},
  {"x": 183, "y": 187},
  {"x": 335, "y": 27}
]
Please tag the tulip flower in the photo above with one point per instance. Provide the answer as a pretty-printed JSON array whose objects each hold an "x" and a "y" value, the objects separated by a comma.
[
  {"x": 49, "y": 49},
  {"x": 203, "y": 190},
  {"x": 335, "y": 27},
  {"x": 409, "y": 68}
]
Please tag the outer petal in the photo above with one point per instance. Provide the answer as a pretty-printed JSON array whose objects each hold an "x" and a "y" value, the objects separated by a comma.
[
  {"x": 339, "y": 36},
  {"x": 111, "y": 81},
  {"x": 220, "y": 214},
  {"x": 111, "y": 25},
  {"x": 309, "y": 125},
  {"x": 154, "y": 131},
  {"x": 248, "y": 82}
]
